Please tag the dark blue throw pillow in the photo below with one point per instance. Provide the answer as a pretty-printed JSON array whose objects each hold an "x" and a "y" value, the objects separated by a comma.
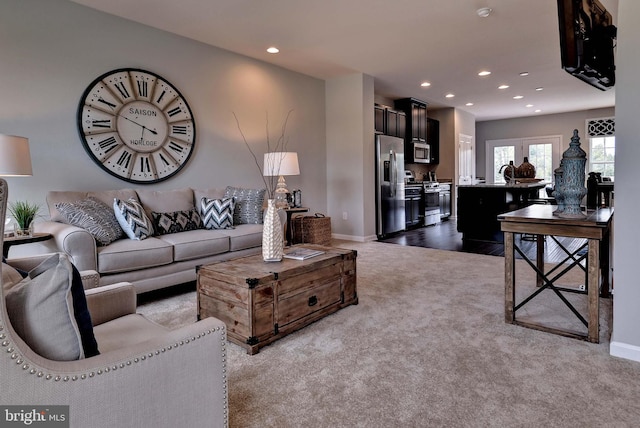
[{"x": 82, "y": 316}]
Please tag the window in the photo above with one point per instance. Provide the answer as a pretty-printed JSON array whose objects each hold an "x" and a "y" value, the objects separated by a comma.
[
  {"x": 543, "y": 153},
  {"x": 602, "y": 146}
]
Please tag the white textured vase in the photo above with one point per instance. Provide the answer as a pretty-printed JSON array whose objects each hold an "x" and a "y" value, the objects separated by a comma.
[{"x": 272, "y": 239}]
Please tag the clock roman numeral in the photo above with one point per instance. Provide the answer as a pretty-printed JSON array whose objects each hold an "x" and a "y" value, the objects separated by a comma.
[
  {"x": 179, "y": 129},
  {"x": 103, "y": 101},
  {"x": 124, "y": 159},
  {"x": 160, "y": 97},
  {"x": 103, "y": 123},
  {"x": 122, "y": 89},
  {"x": 174, "y": 111},
  {"x": 108, "y": 144},
  {"x": 142, "y": 88},
  {"x": 166, "y": 162},
  {"x": 175, "y": 147},
  {"x": 144, "y": 165}
]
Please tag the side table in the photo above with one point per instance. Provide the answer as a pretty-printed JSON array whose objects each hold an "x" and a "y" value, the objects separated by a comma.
[
  {"x": 18, "y": 240},
  {"x": 290, "y": 212}
]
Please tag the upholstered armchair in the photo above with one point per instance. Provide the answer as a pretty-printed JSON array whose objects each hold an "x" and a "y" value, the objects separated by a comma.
[{"x": 144, "y": 376}]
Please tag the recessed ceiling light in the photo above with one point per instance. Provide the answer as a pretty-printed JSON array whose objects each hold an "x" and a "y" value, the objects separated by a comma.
[
  {"x": 503, "y": 86},
  {"x": 484, "y": 73},
  {"x": 450, "y": 95},
  {"x": 539, "y": 89},
  {"x": 524, "y": 73},
  {"x": 425, "y": 84},
  {"x": 273, "y": 50},
  {"x": 537, "y": 111},
  {"x": 529, "y": 105},
  {"x": 469, "y": 104},
  {"x": 518, "y": 97},
  {"x": 483, "y": 12}
]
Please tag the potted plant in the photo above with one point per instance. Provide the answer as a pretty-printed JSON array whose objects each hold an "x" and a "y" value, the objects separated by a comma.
[{"x": 23, "y": 213}]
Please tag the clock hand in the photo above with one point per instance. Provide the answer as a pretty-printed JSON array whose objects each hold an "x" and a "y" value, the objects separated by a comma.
[{"x": 142, "y": 126}]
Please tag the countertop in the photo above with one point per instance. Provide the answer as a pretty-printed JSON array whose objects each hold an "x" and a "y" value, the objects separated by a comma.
[{"x": 538, "y": 184}]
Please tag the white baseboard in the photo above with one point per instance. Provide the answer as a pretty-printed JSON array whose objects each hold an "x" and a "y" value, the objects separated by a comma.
[
  {"x": 624, "y": 350},
  {"x": 354, "y": 238}
]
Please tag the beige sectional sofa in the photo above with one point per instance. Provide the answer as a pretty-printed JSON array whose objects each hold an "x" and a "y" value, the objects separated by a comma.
[{"x": 157, "y": 261}]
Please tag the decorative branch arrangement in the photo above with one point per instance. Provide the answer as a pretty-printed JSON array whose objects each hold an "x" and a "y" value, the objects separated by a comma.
[{"x": 270, "y": 182}]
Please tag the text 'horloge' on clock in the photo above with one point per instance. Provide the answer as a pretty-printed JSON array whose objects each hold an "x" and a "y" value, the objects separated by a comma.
[{"x": 136, "y": 125}]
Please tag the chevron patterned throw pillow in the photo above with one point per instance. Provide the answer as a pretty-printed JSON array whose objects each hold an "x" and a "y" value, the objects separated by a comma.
[
  {"x": 217, "y": 213},
  {"x": 133, "y": 219}
]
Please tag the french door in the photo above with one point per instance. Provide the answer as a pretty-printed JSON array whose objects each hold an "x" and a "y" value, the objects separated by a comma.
[{"x": 542, "y": 152}]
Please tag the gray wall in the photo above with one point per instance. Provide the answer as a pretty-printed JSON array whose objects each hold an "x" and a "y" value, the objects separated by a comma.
[
  {"x": 535, "y": 126},
  {"x": 51, "y": 50},
  {"x": 350, "y": 156},
  {"x": 625, "y": 341}
]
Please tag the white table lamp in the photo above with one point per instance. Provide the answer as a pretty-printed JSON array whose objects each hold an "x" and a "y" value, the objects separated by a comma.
[
  {"x": 15, "y": 158},
  {"x": 280, "y": 164}
]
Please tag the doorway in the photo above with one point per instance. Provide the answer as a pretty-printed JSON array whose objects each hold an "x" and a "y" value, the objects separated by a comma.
[{"x": 542, "y": 152}]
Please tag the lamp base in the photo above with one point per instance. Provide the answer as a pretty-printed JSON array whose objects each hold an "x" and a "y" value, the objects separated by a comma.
[{"x": 282, "y": 194}]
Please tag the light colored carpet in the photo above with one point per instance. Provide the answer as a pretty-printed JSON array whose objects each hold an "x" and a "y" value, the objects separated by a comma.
[{"x": 427, "y": 346}]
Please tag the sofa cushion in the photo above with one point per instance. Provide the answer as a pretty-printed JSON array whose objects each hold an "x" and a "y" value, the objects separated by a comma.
[
  {"x": 132, "y": 218},
  {"x": 248, "y": 209},
  {"x": 94, "y": 216},
  {"x": 48, "y": 309},
  {"x": 244, "y": 236},
  {"x": 177, "y": 221},
  {"x": 217, "y": 213},
  {"x": 214, "y": 193},
  {"x": 166, "y": 201},
  {"x": 197, "y": 243},
  {"x": 54, "y": 197},
  {"x": 126, "y": 331},
  {"x": 126, "y": 254}
]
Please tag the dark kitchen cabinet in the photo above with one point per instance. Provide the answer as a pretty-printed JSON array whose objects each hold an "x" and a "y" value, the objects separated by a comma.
[
  {"x": 380, "y": 119},
  {"x": 416, "y": 114},
  {"x": 396, "y": 123},
  {"x": 433, "y": 138},
  {"x": 389, "y": 121}
]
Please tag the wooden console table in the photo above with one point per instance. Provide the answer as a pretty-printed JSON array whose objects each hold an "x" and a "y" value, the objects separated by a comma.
[{"x": 539, "y": 220}]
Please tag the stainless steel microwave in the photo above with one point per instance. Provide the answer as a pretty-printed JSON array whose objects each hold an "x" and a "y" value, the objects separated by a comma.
[{"x": 421, "y": 153}]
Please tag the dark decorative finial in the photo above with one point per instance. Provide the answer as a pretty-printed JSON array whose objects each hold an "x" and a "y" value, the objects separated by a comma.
[{"x": 575, "y": 139}]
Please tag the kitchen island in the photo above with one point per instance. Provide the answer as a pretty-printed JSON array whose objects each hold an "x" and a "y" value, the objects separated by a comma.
[{"x": 480, "y": 204}]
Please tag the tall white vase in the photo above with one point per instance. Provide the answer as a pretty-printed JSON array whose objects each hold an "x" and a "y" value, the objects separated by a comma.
[{"x": 272, "y": 239}]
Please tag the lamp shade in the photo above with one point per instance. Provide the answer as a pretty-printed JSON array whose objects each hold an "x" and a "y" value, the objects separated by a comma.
[
  {"x": 280, "y": 163},
  {"x": 15, "y": 158}
]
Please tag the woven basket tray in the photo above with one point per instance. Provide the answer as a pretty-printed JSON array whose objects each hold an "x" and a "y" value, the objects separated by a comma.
[{"x": 311, "y": 230}]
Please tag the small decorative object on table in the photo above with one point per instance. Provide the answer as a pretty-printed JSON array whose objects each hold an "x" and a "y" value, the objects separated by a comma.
[
  {"x": 557, "y": 191},
  {"x": 526, "y": 170},
  {"x": 24, "y": 213},
  {"x": 573, "y": 189}
]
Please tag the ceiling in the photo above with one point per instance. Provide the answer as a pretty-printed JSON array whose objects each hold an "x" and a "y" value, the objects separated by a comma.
[{"x": 400, "y": 43}]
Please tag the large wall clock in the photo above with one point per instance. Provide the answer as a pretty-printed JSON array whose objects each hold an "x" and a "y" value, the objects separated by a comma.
[{"x": 136, "y": 125}]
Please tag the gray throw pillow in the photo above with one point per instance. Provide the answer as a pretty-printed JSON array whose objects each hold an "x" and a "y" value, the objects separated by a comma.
[
  {"x": 248, "y": 209},
  {"x": 94, "y": 216},
  {"x": 40, "y": 308}
]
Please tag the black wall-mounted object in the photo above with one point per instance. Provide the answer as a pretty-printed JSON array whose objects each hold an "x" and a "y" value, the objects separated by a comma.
[{"x": 587, "y": 42}]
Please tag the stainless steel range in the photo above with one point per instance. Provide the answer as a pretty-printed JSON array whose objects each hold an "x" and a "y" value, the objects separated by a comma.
[
  {"x": 431, "y": 202},
  {"x": 429, "y": 191}
]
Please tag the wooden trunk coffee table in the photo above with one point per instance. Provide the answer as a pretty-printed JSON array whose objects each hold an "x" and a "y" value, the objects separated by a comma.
[{"x": 262, "y": 302}]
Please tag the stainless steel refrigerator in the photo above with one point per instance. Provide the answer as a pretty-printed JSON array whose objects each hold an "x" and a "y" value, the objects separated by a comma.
[{"x": 390, "y": 215}]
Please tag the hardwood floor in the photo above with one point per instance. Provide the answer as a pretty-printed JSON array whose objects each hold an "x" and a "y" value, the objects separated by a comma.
[{"x": 444, "y": 236}]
